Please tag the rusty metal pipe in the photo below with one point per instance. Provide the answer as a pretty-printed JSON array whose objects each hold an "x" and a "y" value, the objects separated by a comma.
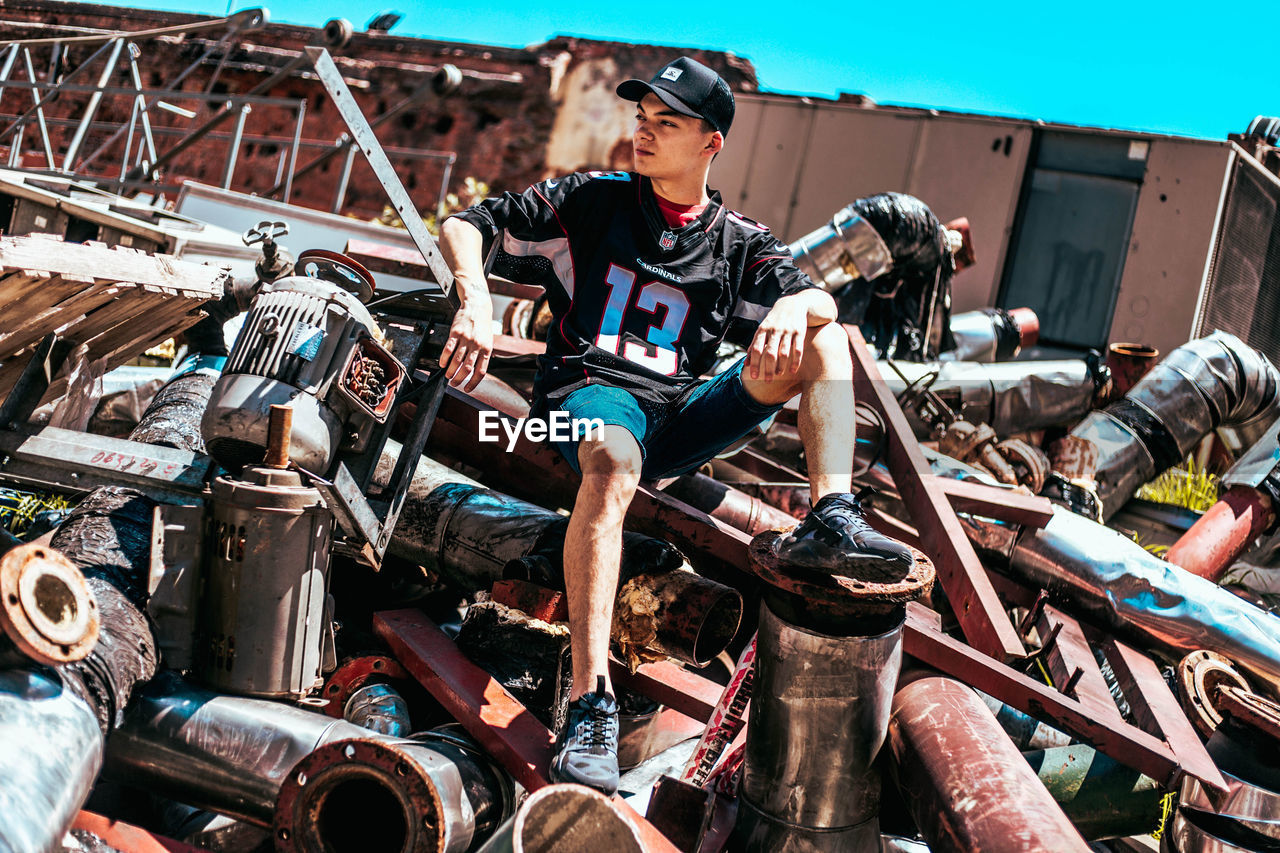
[
  {"x": 1100, "y": 796},
  {"x": 47, "y": 612},
  {"x": 735, "y": 508},
  {"x": 475, "y": 536},
  {"x": 1223, "y": 533},
  {"x": 965, "y": 783}
]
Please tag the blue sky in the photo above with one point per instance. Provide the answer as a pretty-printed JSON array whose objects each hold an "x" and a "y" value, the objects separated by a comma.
[{"x": 1170, "y": 68}]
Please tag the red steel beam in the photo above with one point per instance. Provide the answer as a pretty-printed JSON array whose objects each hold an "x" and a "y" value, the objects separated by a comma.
[
  {"x": 974, "y": 600},
  {"x": 490, "y": 714},
  {"x": 672, "y": 685},
  {"x": 1070, "y": 654},
  {"x": 1140, "y": 750},
  {"x": 1000, "y": 504}
]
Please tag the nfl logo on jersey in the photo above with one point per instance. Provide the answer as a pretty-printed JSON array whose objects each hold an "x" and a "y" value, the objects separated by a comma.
[{"x": 667, "y": 241}]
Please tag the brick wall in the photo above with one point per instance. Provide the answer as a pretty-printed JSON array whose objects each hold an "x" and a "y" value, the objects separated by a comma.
[{"x": 499, "y": 125}]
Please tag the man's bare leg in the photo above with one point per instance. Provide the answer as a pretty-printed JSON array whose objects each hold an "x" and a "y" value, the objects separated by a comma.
[
  {"x": 825, "y": 384},
  {"x": 593, "y": 549}
]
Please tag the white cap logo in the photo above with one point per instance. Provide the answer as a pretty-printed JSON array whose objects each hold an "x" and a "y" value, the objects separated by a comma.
[{"x": 672, "y": 74}]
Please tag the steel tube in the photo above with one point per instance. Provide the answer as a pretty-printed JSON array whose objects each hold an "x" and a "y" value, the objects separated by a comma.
[
  {"x": 965, "y": 783},
  {"x": 725, "y": 503},
  {"x": 819, "y": 712},
  {"x": 1115, "y": 582},
  {"x": 1102, "y": 797},
  {"x": 263, "y": 762},
  {"x": 1207, "y": 383},
  {"x": 1223, "y": 533},
  {"x": 46, "y": 608},
  {"x": 992, "y": 334},
  {"x": 1011, "y": 397},
  {"x": 50, "y": 752}
]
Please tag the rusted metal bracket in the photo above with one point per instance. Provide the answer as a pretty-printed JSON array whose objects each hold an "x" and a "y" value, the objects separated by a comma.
[
  {"x": 976, "y": 605},
  {"x": 1163, "y": 745}
]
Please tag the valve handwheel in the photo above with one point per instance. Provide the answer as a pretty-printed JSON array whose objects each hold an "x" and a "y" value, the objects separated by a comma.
[{"x": 265, "y": 230}]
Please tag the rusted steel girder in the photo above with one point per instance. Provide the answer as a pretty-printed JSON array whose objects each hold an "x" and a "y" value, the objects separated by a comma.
[
  {"x": 976, "y": 606},
  {"x": 965, "y": 783}
]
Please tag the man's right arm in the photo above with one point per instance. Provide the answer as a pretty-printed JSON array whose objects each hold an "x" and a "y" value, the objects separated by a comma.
[{"x": 466, "y": 354}]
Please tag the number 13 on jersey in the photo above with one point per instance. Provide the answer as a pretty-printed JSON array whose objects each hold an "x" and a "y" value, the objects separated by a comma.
[{"x": 652, "y": 295}]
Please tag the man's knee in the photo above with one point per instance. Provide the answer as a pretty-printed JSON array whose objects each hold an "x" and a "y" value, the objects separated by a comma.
[
  {"x": 614, "y": 457},
  {"x": 827, "y": 346}
]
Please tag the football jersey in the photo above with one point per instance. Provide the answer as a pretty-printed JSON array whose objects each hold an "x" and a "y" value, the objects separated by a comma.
[{"x": 635, "y": 303}]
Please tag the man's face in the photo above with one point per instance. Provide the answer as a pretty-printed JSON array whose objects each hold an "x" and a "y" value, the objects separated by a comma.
[{"x": 669, "y": 144}]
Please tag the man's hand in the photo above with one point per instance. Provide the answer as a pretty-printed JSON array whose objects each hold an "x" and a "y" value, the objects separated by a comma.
[
  {"x": 778, "y": 345},
  {"x": 465, "y": 357}
]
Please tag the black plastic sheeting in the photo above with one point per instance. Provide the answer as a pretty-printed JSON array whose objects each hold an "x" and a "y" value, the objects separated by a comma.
[
  {"x": 893, "y": 311},
  {"x": 108, "y": 536}
]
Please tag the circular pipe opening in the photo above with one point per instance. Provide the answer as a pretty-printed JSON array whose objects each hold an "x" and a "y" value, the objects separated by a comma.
[
  {"x": 717, "y": 629},
  {"x": 1134, "y": 350},
  {"x": 55, "y": 600},
  {"x": 361, "y": 814},
  {"x": 571, "y": 817}
]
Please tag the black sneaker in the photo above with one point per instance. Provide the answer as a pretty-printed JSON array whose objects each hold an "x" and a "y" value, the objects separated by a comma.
[
  {"x": 835, "y": 539},
  {"x": 589, "y": 749}
]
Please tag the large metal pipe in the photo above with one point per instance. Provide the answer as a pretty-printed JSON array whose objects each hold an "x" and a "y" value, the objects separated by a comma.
[
  {"x": 819, "y": 710},
  {"x": 47, "y": 613},
  {"x": 1011, "y": 397},
  {"x": 234, "y": 755},
  {"x": 1116, "y": 583},
  {"x": 475, "y": 536},
  {"x": 50, "y": 752},
  {"x": 1207, "y": 383},
  {"x": 965, "y": 783},
  {"x": 735, "y": 508}
]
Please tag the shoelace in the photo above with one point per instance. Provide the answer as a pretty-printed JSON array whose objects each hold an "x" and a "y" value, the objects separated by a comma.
[{"x": 599, "y": 723}]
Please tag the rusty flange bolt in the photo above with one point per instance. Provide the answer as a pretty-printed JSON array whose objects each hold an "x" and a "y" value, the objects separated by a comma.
[
  {"x": 46, "y": 608},
  {"x": 359, "y": 795},
  {"x": 836, "y": 595}
]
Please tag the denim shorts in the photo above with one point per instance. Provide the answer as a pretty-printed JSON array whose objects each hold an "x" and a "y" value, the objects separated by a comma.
[{"x": 677, "y": 437}]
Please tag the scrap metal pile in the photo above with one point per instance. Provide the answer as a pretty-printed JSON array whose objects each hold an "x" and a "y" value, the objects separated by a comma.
[{"x": 303, "y": 606}]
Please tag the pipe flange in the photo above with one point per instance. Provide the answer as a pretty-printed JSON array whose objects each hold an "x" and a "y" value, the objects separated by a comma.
[
  {"x": 359, "y": 789},
  {"x": 356, "y": 673},
  {"x": 1200, "y": 675},
  {"x": 963, "y": 440},
  {"x": 46, "y": 607},
  {"x": 1256, "y": 712},
  {"x": 1030, "y": 464},
  {"x": 837, "y": 595}
]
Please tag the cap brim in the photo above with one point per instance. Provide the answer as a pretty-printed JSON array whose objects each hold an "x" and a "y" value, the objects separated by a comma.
[{"x": 635, "y": 90}]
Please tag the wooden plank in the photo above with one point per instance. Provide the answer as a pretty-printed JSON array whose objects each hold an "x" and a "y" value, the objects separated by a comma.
[
  {"x": 976, "y": 606},
  {"x": 17, "y": 287},
  {"x": 56, "y": 317},
  {"x": 1000, "y": 504},
  {"x": 117, "y": 264}
]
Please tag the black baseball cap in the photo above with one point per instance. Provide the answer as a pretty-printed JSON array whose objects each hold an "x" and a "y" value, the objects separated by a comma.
[{"x": 689, "y": 88}]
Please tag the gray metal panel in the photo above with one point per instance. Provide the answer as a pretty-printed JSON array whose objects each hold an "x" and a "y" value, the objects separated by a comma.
[
  {"x": 973, "y": 168},
  {"x": 764, "y": 155},
  {"x": 32, "y": 217},
  {"x": 1173, "y": 230},
  {"x": 852, "y": 153}
]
